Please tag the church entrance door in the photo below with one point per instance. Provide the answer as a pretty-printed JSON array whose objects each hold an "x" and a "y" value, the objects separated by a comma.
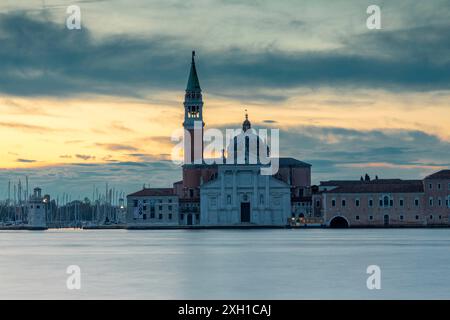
[{"x": 245, "y": 211}]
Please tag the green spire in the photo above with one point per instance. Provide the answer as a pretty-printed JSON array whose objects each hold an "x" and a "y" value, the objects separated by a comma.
[{"x": 193, "y": 83}]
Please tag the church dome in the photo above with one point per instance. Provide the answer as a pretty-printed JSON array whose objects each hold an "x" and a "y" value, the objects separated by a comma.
[
  {"x": 246, "y": 125},
  {"x": 245, "y": 147}
]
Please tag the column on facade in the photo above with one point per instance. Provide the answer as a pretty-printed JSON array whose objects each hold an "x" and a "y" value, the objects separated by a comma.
[
  {"x": 222, "y": 189},
  {"x": 255, "y": 190},
  {"x": 234, "y": 189}
]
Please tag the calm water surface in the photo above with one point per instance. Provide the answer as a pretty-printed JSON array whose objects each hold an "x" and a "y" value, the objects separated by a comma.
[{"x": 225, "y": 264}]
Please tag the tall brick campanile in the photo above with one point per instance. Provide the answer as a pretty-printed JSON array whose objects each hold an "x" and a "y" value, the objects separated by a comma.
[{"x": 193, "y": 118}]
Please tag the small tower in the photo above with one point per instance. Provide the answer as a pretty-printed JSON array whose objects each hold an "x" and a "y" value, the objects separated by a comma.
[
  {"x": 36, "y": 210},
  {"x": 193, "y": 118}
]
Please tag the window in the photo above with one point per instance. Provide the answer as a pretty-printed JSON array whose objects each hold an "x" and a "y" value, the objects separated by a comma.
[
  {"x": 333, "y": 202},
  {"x": 401, "y": 202},
  {"x": 38, "y": 206},
  {"x": 144, "y": 208},
  {"x": 170, "y": 200},
  {"x": 152, "y": 215},
  {"x": 440, "y": 217},
  {"x": 431, "y": 217},
  {"x": 439, "y": 186},
  {"x": 430, "y": 201},
  {"x": 170, "y": 208},
  {"x": 31, "y": 206},
  {"x": 191, "y": 193},
  {"x": 401, "y": 217},
  {"x": 152, "y": 209},
  {"x": 357, "y": 217},
  {"x": 144, "y": 216},
  {"x": 343, "y": 202},
  {"x": 440, "y": 202},
  {"x": 170, "y": 216},
  {"x": 430, "y": 186},
  {"x": 160, "y": 216},
  {"x": 391, "y": 203},
  {"x": 371, "y": 203},
  {"x": 381, "y": 202},
  {"x": 261, "y": 199},
  {"x": 370, "y": 218},
  {"x": 317, "y": 203},
  {"x": 386, "y": 201},
  {"x": 417, "y": 217},
  {"x": 160, "y": 208},
  {"x": 357, "y": 202},
  {"x": 416, "y": 202},
  {"x": 182, "y": 217},
  {"x": 135, "y": 203}
]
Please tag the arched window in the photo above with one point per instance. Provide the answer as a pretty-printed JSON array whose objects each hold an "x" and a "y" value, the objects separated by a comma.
[{"x": 386, "y": 201}]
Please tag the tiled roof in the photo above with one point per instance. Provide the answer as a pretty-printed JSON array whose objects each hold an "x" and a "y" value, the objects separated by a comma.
[
  {"x": 380, "y": 186},
  {"x": 336, "y": 183},
  {"x": 443, "y": 174},
  {"x": 147, "y": 192}
]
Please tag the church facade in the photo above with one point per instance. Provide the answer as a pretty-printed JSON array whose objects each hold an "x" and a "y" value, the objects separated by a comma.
[
  {"x": 230, "y": 193},
  {"x": 241, "y": 195}
]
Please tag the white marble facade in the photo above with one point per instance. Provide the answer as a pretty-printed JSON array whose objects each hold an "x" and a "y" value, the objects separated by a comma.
[{"x": 242, "y": 196}]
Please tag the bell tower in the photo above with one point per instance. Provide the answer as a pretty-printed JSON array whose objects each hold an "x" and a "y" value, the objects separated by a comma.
[{"x": 193, "y": 118}]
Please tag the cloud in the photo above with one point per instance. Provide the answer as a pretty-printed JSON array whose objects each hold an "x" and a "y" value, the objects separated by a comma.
[
  {"x": 116, "y": 147},
  {"x": 39, "y": 57},
  {"x": 25, "y": 160},
  {"x": 346, "y": 153},
  {"x": 85, "y": 157},
  {"x": 120, "y": 127},
  {"x": 25, "y": 127}
]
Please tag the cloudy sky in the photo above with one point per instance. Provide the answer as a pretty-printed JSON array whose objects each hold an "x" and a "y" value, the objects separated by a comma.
[{"x": 82, "y": 107}]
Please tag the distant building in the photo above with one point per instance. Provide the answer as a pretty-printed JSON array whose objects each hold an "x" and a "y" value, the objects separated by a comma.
[
  {"x": 37, "y": 210},
  {"x": 385, "y": 202},
  {"x": 153, "y": 206}
]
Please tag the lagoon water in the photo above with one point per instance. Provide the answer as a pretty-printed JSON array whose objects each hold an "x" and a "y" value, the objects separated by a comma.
[{"x": 226, "y": 264}]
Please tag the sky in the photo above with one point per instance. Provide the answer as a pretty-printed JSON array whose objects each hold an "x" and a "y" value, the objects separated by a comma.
[{"x": 80, "y": 108}]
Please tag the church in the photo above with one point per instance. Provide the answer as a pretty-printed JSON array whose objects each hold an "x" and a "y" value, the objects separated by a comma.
[{"x": 228, "y": 193}]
